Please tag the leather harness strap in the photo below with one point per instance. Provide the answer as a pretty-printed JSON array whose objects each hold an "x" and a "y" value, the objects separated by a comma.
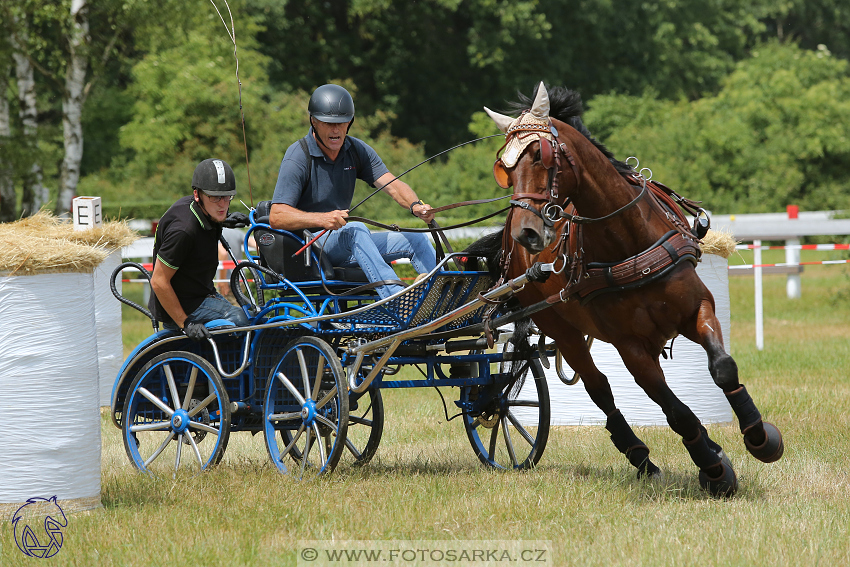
[{"x": 652, "y": 263}]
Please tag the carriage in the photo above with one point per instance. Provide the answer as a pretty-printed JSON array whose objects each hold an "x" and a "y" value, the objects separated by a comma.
[{"x": 309, "y": 369}]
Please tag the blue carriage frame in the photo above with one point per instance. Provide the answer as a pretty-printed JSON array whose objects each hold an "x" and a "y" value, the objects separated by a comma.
[{"x": 370, "y": 335}]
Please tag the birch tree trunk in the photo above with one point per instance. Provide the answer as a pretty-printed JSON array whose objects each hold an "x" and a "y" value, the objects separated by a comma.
[
  {"x": 8, "y": 199},
  {"x": 72, "y": 106},
  {"x": 33, "y": 193}
]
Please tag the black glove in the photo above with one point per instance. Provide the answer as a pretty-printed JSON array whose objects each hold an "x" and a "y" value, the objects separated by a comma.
[
  {"x": 236, "y": 220},
  {"x": 196, "y": 331}
]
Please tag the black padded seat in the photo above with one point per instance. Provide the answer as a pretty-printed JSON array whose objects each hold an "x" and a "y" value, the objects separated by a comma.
[{"x": 277, "y": 247}]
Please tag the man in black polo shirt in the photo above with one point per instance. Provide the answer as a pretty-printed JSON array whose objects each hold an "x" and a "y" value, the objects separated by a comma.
[{"x": 186, "y": 255}]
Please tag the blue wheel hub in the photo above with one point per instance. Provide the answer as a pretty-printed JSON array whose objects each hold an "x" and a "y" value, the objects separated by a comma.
[
  {"x": 180, "y": 421},
  {"x": 308, "y": 412}
]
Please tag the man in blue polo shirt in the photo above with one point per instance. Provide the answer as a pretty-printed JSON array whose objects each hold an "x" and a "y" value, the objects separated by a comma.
[
  {"x": 315, "y": 193},
  {"x": 185, "y": 250}
]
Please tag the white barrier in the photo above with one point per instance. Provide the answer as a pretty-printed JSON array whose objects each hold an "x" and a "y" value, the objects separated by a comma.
[
  {"x": 107, "y": 312},
  {"x": 49, "y": 414},
  {"x": 686, "y": 373}
]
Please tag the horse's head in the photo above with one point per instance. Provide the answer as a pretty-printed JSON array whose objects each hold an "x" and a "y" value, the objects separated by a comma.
[{"x": 535, "y": 157}]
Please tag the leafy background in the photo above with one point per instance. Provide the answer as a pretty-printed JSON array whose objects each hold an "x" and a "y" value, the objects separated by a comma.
[{"x": 740, "y": 104}]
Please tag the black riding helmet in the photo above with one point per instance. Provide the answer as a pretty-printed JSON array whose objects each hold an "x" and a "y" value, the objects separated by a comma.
[
  {"x": 332, "y": 104},
  {"x": 215, "y": 178}
]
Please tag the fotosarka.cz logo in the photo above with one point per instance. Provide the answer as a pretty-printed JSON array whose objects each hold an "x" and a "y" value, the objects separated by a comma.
[{"x": 37, "y": 537}]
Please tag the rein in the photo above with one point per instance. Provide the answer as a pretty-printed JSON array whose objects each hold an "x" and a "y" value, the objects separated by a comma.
[
  {"x": 396, "y": 228},
  {"x": 576, "y": 219}
]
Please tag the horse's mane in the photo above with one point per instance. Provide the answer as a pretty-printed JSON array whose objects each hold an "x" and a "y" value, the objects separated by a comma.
[{"x": 566, "y": 106}]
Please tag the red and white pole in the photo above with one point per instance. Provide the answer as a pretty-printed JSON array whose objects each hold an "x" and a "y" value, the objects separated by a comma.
[{"x": 793, "y": 283}]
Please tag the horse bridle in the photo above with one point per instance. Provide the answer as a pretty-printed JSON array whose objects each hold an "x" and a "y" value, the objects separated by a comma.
[{"x": 550, "y": 157}]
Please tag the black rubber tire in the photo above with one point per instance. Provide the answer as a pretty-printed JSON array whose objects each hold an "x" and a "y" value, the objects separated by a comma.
[
  {"x": 502, "y": 458},
  {"x": 368, "y": 415}
]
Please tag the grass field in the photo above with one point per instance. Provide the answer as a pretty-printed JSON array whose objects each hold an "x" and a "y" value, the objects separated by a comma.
[{"x": 583, "y": 499}]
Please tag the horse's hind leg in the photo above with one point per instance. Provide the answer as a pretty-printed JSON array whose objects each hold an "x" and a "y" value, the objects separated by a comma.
[
  {"x": 716, "y": 474},
  {"x": 596, "y": 384},
  {"x": 762, "y": 439}
]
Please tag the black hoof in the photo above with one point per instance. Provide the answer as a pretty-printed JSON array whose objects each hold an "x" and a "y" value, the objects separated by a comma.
[
  {"x": 648, "y": 471},
  {"x": 771, "y": 448},
  {"x": 723, "y": 486}
]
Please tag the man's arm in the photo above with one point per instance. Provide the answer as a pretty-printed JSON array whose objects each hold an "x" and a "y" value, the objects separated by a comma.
[
  {"x": 404, "y": 196},
  {"x": 286, "y": 217},
  {"x": 161, "y": 285}
]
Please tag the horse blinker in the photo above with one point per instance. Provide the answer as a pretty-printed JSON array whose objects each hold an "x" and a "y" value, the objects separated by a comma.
[
  {"x": 547, "y": 156},
  {"x": 501, "y": 175}
]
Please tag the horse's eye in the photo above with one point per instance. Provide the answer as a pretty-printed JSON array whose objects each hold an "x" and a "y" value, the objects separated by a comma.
[{"x": 537, "y": 155}]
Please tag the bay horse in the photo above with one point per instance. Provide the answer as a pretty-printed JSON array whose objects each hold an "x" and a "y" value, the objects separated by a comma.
[{"x": 628, "y": 277}]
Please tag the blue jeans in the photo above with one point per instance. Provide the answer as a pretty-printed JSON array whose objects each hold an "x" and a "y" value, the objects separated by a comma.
[
  {"x": 212, "y": 308},
  {"x": 355, "y": 245}
]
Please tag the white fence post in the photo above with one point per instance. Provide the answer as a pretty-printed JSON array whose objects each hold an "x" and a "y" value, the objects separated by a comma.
[
  {"x": 793, "y": 283},
  {"x": 759, "y": 307}
]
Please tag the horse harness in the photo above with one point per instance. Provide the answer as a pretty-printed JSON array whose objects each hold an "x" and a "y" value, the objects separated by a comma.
[{"x": 586, "y": 281}]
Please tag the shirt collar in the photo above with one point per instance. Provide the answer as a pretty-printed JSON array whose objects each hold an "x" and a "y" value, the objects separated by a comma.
[{"x": 205, "y": 223}]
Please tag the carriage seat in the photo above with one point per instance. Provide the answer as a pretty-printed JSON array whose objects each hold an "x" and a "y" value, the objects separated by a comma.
[{"x": 276, "y": 248}]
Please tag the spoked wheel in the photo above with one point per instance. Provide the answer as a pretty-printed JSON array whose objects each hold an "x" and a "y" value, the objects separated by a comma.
[
  {"x": 176, "y": 415},
  {"x": 365, "y": 426},
  {"x": 305, "y": 416},
  {"x": 512, "y": 429}
]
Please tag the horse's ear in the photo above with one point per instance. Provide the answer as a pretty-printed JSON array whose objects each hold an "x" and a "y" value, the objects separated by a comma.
[
  {"x": 502, "y": 121},
  {"x": 540, "y": 107},
  {"x": 501, "y": 174}
]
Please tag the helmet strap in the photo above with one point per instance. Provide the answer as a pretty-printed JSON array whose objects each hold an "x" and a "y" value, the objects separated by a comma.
[
  {"x": 203, "y": 208},
  {"x": 316, "y": 134}
]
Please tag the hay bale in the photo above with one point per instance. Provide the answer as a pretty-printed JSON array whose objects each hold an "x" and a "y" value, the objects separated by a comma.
[
  {"x": 59, "y": 353},
  {"x": 50, "y": 415},
  {"x": 43, "y": 244}
]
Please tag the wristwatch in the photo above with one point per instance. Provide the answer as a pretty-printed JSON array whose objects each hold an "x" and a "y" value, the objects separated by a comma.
[{"x": 413, "y": 204}]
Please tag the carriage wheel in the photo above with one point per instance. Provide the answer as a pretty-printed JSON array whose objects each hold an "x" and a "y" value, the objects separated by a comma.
[
  {"x": 365, "y": 426},
  {"x": 513, "y": 429},
  {"x": 176, "y": 415},
  {"x": 305, "y": 417}
]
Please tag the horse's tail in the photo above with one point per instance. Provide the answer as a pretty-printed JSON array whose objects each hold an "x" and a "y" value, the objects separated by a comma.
[{"x": 490, "y": 247}]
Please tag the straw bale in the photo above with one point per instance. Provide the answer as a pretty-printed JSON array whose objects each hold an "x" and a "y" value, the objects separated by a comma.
[
  {"x": 44, "y": 243},
  {"x": 111, "y": 235},
  {"x": 719, "y": 242}
]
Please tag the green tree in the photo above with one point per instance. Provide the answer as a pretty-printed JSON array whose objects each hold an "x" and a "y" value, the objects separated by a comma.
[
  {"x": 774, "y": 135},
  {"x": 428, "y": 64},
  {"x": 811, "y": 23}
]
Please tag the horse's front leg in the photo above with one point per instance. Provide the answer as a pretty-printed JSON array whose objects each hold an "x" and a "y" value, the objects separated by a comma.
[
  {"x": 577, "y": 355},
  {"x": 716, "y": 473},
  {"x": 762, "y": 439}
]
